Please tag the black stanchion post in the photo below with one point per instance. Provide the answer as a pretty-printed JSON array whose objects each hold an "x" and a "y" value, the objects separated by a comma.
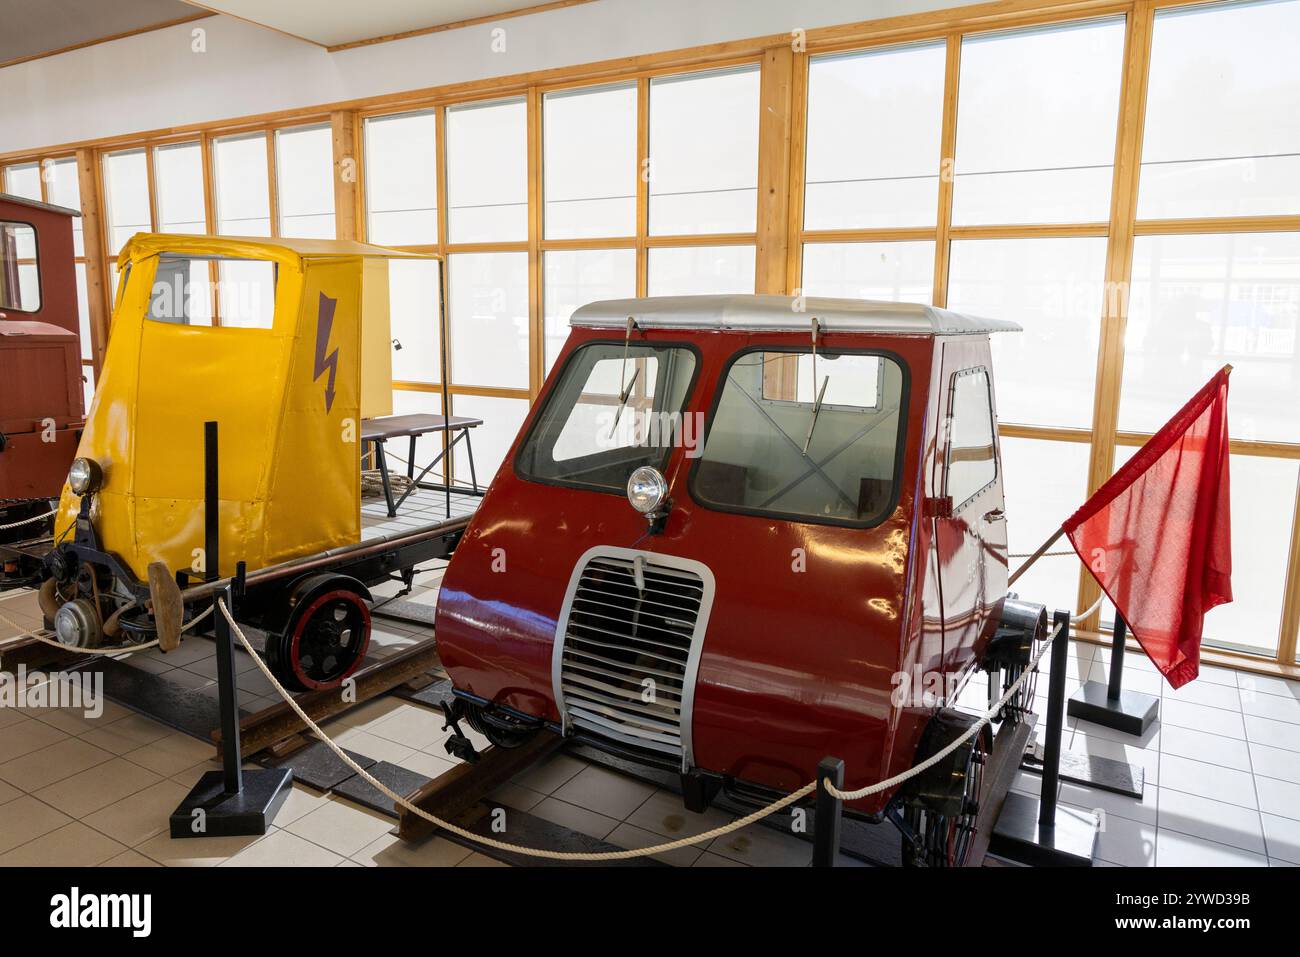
[
  {"x": 826, "y": 836},
  {"x": 1055, "y": 719},
  {"x": 229, "y": 802},
  {"x": 1117, "y": 660}
]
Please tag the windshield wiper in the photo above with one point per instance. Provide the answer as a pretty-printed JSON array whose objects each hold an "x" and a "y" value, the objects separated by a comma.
[
  {"x": 622, "y": 401},
  {"x": 817, "y": 410}
]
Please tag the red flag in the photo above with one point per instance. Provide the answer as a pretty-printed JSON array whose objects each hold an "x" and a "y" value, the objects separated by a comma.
[{"x": 1157, "y": 535}]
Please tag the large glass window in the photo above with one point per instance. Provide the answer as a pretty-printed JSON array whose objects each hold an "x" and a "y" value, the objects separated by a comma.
[
  {"x": 487, "y": 172},
  {"x": 304, "y": 164},
  {"x": 1221, "y": 132},
  {"x": 586, "y": 436},
  {"x": 126, "y": 197},
  {"x": 970, "y": 456},
  {"x": 178, "y": 182},
  {"x": 413, "y": 312},
  {"x": 502, "y": 419},
  {"x": 577, "y": 277},
  {"x": 23, "y": 180},
  {"x": 1036, "y": 121},
  {"x": 700, "y": 270},
  {"x": 703, "y": 165},
  {"x": 1054, "y": 289},
  {"x": 63, "y": 188},
  {"x": 402, "y": 179},
  {"x": 489, "y": 319},
  {"x": 590, "y": 162},
  {"x": 826, "y": 455},
  {"x": 243, "y": 194},
  {"x": 893, "y": 271},
  {"x": 874, "y": 128},
  {"x": 1200, "y": 301}
]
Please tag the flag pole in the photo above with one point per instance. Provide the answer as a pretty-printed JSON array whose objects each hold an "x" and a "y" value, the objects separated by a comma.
[{"x": 1038, "y": 553}]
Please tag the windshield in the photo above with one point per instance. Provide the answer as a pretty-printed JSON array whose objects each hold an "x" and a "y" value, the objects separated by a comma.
[
  {"x": 614, "y": 409},
  {"x": 184, "y": 294},
  {"x": 808, "y": 438}
]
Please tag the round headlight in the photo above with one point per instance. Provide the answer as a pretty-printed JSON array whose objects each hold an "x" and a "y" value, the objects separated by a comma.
[
  {"x": 646, "y": 489},
  {"x": 85, "y": 476}
]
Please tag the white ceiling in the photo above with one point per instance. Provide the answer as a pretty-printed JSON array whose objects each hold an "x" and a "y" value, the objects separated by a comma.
[
  {"x": 335, "y": 22},
  {"x": 31, "y": 28}
]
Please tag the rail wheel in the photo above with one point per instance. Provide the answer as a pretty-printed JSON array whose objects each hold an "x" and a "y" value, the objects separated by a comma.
[
  {"x": 944, "y": 840},
  {"x": 323, "y": 643},
  {"x": 502, "y": 730}
]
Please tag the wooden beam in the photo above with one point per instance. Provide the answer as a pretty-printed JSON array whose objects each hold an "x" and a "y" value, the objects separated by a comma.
[
  {"x": 457, "y": 790},
  {"x": 642, "y": 183},
  {"x": 347, "y": 174},
  {"x": 947, "y": 168},
  {"x": 98, "y": 295},
  {"x": 536, "y": 316},
  {"x": 1119, "y": 264},
  {"x": 774, "y": 143},
  {"x": 1290, "y": 626}
]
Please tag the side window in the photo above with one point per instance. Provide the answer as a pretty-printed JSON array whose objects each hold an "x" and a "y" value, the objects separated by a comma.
[
  {"x": 20, "y": 284},
  {"x": 971, "y": 455}
]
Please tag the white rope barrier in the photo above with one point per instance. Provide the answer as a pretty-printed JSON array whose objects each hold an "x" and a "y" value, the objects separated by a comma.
[
  {"x": 28, "y": 521},
  {"x": 709, "y": 835}
]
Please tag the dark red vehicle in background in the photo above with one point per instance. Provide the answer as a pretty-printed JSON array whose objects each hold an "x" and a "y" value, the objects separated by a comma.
[
  {"x": 738, "y": 534},
  {"x": 41, "y": 401}
]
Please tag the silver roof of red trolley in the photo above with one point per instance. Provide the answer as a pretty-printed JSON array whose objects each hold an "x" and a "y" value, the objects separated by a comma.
[{"x": 784, "y": 314}]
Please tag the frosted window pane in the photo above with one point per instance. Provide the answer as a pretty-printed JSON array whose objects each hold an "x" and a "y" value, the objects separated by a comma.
[
  {"x": 874, "y": 127},
  {"x": 126, "y": 197},
  {"x": 489, "y": 319},
  {"x": 1259, "y": 553},
  {"x": 577, "y": 277},
  {"x": 1036, "y": 119},
  {"x": 1222, "y": 138},
  {"x": 701, "y": 270},
  {"x": 590, "y": 163},
  {"x": 243, "y": 196},
  {"x": 704, "y": 153},
  {"x": 64, "y": 189},
  {"x": 1044, "y": 483},
  {"x": 24, "y": 181},
  {"x": 1200, "y": 301},
  {"x": 83, "y": 313},
  {"x": 413, "y": 306},
  {"x": 502, "y": 419},
  {"x": 402, "y": 179},
  {"x": 487, "y": 172},
  {"x": 1054, "y": 289},
  {"x": 304, "y": 163},
  {"x": 178, "y": 178},
  {"x": 897, "y": 272}
]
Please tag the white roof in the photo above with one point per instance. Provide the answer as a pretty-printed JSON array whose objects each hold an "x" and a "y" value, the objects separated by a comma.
[{"x": 783, "y": 314}]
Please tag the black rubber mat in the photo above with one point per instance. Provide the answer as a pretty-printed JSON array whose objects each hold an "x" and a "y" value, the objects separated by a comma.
[
  {"x": 191, "y": 710},
  {"x": 366, "y": 794},
  {"x": 403, "y": 609},
  {"x": 531, "y": 831},
  {"x": 319, "y": 767}
]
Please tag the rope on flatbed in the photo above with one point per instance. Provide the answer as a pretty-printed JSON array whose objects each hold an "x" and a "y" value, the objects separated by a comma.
[
  {"x": 28, "y": 521},
  {"x": 709, "y": 835}
]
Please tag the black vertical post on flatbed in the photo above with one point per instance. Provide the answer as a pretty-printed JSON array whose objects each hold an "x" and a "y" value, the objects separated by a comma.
[
  {"x": 1117, "y": 659},
  {"x": 826, "y": 834},
  {"x": 1055, "y": 719}
]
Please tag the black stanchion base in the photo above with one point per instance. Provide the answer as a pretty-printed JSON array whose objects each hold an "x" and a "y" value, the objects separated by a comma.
[
  {"x": 232, "y": 815},
  {"x": 1133, "y": 713},
  {"x": 1017, "y": 837}
]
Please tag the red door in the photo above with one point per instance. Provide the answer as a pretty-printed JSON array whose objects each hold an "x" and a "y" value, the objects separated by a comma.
[{"x": 969, "y": 524}]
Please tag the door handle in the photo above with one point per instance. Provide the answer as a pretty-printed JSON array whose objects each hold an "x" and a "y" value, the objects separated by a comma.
[{"x": 994, "y": 515}]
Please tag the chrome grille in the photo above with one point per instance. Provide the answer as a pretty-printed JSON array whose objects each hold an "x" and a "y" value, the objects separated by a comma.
[{"x": 629, "y": 647}]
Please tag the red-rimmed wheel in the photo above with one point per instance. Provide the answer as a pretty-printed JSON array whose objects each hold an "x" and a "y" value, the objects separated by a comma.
[{"x": 323, "y": 643}]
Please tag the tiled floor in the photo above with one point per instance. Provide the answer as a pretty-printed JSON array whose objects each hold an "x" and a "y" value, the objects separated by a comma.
[{"x": 1223, "y": 779}]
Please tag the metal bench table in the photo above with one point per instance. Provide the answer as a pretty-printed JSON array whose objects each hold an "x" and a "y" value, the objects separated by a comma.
[{"x": 457, "y": 427}]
